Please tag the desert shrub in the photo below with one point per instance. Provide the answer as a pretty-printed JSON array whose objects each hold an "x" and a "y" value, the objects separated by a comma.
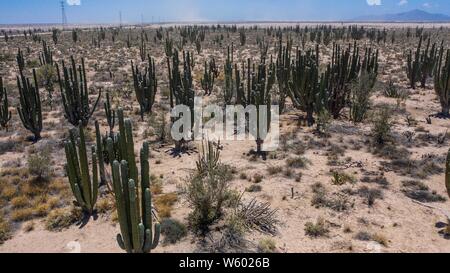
[
  {"x": 21, "y": 215},
  {"x": 266, "y": 245},
  {"x": 337, "y": 202},
  {"x": 297, "y": 162},
  {"x": 370, "y": 195},
  {"x": 323, "y": 122},
  {"x": 60, "y": 219},
  {"x": 382, "y": 125},
  {"x": 417, "y": 190},
  {"x": 258, "y": 178},
  {"x": 360, "y": 97},
  {"x": 273, "y": 170},
  {"x": 5, "y": 229},
  {"x": 391, "y": 90},
  {"x": 173, "y": 230},
  {"x": 39, "y": 164},
  {"x": 254, "y": 188},
  {"x": 318, "y": 229},
  {"x": 342, "y": 178}
]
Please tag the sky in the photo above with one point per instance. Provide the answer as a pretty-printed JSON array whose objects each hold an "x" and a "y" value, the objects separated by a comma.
[{"x": 107, "y": 11}]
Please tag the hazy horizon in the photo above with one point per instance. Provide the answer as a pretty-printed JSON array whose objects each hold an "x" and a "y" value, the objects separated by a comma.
[{"x": 154, "y": 11}]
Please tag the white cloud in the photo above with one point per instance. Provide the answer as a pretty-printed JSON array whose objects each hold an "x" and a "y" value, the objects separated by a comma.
[
  {"x": 374, "y": 2},
  {"x": 426, "y": 5},
  {"x": 74, "y": 2},
  {"x": 403, "y": 2}
]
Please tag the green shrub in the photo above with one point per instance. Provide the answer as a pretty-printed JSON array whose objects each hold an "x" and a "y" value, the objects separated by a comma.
[{"x": 173, "y": 230}]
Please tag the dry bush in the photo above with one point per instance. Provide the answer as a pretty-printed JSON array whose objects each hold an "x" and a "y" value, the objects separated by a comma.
[
  {"x": 318, "y": 229},
  {"x": 173, "y": 230}
]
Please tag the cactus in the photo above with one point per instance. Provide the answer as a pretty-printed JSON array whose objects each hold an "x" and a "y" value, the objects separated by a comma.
[
  {"x": 143, "y": 50},
  {"x": 228, "y": 90},
  {"x": 283, "y": 72},
  {"x": 306, "y": 85},
  {"x": 145, "y": 86},
  {"x": 55, "y": 35},
  {"x": 208, "y": 79},
  {"x": 428, "y": 61},
  {"x": 413, "y": 66},
  {"x": 100, "y": 152},
  {"x": 110, "y": 115},
  {"x": 442, "y": 81},
  {"x": 83, "y": 187},
  {"x": 20, "y": 60},
  {"x": 138, "y": 233},
  {"x": 46, "y": 57},
  {"x": 74, "y": 36},
  {"x": 181, "y": 87},
  {"x": 168, "y": 47},
  {"x": 5, "y": 114},
  {"x": 75, "y": 93},
  {"x": 30, "y": 110},
  {"x": 344, "y": 68}
]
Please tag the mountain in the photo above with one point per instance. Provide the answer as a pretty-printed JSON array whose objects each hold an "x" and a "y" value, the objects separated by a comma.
[{"x": 410, "y": 16}]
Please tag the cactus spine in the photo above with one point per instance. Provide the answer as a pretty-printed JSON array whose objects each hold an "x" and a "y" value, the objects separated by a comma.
[
  {"x": 442, "y": 81},
  {"x": 138, "y": 233},
  {"x": 30, "y": 110},
  {"x": 83, "y": 187},
  {"x": 5, "y": 114},
  {"x": 145, "y": 86},
  {"x": 75, "y": 93}
]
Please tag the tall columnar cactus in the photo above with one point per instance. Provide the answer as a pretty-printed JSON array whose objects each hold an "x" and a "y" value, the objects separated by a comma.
[
  {"x": 138, "y": 232},
  {"x": 5, "y": 114},
  {"x": 344, "y": 68},
  {"x": 413, "y": 65},
  {"x": 208, "y": 79},
  {"x": 84, "y": 187},
  {"x": 20, "y": 60},
  {"x": 126, "y": 144},
  {"x": 99, "y": 151},
  {"x": 228, "y": 90},
  {"x": 143, "y": 50},
  {"x": 110, "y": 115},
  {"x": 30, "y": 110},
  {"x": 428, "y": 60},
  {"x": 46, "y": 56},
  {"x": 257, "y": 91},
  {"x": 75, "y": 93},
  {"x": 145, "y": 86},
  {"x": 442, "y": 81},
  {"x": 307, "y": 85},
  {"x": 283, "y": 71}
]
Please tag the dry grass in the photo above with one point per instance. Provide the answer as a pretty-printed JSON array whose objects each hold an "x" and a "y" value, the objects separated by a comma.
[{"x": 164, "y": 204}]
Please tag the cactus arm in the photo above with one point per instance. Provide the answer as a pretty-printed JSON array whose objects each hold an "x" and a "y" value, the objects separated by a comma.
[
  {"x": 94, "y": 178},
  {"x": 99, "y": 152},
  {"x": 85, "y": 177},
  {"x": 134, "y": 215},
  {"x": 121, "y": 207}
]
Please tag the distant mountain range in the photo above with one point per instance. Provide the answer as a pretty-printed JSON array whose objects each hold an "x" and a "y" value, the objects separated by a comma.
[{"x": 410, "y": 16}]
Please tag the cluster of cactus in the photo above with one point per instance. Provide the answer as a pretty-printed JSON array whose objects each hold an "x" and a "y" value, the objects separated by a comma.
[
  {"x": 168, "y": 47},
  {"x": 344, "y": 68},
  {"x": 307, "y": 85},
  {"x": 84, "y": 187},
  {"x": 181, "y": 87},
  {"x": 228, "y": 90},
  {"x": 75, "y": 93},
  {"x": 422, "y": 66},
  {"x": 242, "y": 36},
  {"x": 442, "y": 80},
  {"x": 138, "y": 232},
  {"x": 46, "y": 57},
  {"x": 5, "y": 114},
  {"x": 283, "y": 65},
  {"x": 259, "y": 83},
  {"x": 30, "y": 110},
  {"x": 145, "y": 86},
  {"x": 208, "y": 78}
]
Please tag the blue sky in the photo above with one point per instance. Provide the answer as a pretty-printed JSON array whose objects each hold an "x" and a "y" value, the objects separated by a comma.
[{"x": 107, "y": 11}]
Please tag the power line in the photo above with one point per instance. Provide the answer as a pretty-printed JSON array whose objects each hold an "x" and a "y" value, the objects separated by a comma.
[{"x": 63, "y": 15}]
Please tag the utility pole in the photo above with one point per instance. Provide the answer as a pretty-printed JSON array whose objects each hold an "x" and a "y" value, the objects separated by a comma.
[
  {"x": 63, "y": 15},
  {"x": 120, "y": 19}
]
